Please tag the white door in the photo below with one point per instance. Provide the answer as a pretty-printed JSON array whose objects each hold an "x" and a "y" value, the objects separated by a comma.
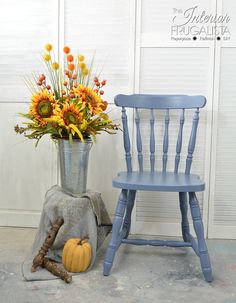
[
  {"x": 168, "y": 65},
  {"x": 222, "y": 211}
]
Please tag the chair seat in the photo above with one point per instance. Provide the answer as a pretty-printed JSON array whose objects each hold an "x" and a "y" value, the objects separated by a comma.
[{"x": 159, "y": 181}]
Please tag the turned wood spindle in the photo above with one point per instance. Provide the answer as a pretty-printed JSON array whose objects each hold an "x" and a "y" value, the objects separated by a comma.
[
  {"x": 53, "y": 268},
  {"x": 39, "y": 258}
]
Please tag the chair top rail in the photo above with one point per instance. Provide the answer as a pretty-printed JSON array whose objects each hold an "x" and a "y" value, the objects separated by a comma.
[{"x": 147, "y": 101}]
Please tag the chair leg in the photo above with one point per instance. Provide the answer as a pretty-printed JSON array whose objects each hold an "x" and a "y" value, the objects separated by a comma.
[
  {"x": 184, "y": 212},
  {"x": 130, "y": 205},
  {"x": 198, "y": 227},
  {"x": 116, "y": 231}
]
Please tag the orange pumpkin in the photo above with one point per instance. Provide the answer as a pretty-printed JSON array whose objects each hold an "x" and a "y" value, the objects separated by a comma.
[{"x": 77, "y": 255}]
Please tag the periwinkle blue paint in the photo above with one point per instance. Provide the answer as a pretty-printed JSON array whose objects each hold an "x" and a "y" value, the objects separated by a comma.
[
  {"x": 152, "y": 141},
  {"x": 179, "y": 141},
  {"x": 182, "y": 183},
  {"x": 139, "y": 140},
  {"x": 165, "y": 141}
]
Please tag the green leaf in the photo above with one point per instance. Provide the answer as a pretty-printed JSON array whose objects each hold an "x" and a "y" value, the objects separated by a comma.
[
  {"x": 37, "y": 142},
  {"x": 104, "y": 116},
  {"x": 75, "y": 128},
  {"x": 94, "y": 138},
  {"x": 70, "y": 138},
  {"x": 60, "y": 131}
]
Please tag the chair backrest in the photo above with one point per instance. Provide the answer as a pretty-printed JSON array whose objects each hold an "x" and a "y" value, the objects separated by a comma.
[{"x": 167, "y": 103}]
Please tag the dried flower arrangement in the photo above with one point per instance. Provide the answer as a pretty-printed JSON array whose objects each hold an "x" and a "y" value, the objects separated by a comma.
[{"x": 67, "y": 102}]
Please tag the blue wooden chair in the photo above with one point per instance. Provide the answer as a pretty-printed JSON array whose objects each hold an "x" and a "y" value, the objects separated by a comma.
[{"x": 182, "y": 183}]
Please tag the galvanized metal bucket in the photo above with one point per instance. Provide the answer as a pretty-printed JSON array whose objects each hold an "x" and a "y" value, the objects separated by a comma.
[{"x": 74, "y": 165}]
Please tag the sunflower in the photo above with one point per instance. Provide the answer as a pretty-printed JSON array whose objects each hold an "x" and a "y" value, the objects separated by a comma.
[
  {"x": 70, "y": 114},
  {"x": 42, "y": 106},
  {"x": 70, "y": 117},
  {"x": 89, "y": 98}
]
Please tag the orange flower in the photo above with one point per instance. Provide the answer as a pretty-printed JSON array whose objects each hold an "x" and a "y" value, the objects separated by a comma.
[
  {"x": 71, "y": 66},
  {"x": 66, "y": 50},
  {"x": 70, "y": 58}
]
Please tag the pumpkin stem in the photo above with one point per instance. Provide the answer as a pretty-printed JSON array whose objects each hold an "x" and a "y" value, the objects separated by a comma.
[
  {"x": 80, "y": 242},
  {"x": 82, "y": 239}
]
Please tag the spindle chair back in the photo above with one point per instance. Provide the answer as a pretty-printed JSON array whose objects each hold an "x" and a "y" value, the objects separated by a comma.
[{"x": 159, "y": 180}]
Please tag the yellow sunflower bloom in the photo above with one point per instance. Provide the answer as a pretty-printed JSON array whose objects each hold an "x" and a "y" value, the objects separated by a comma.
[
  {"x": 42, "y": 106},
  {"x": 90, "y": 98},
  {"x": 70, "y": 117},
  {"x": 70, "y": 114}
]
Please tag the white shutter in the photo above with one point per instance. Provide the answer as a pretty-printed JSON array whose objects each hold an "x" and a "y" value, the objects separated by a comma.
[
  {"x": 156, "y": 18},
  {"x": 225, "y": 170},
  {"x": 106, "y": 160},
  {"x": 105, "y": 28},
  {"x": 170, "y": 67},
  {"x": 25, "y": 27},
  {"x": 26, "y": 172},
  {"x": 222, "y": 213}
]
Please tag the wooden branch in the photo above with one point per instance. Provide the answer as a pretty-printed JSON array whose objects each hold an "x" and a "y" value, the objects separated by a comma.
[
  {"x": 39, "y": 258},
  {"x": 53, "y": 268}
]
